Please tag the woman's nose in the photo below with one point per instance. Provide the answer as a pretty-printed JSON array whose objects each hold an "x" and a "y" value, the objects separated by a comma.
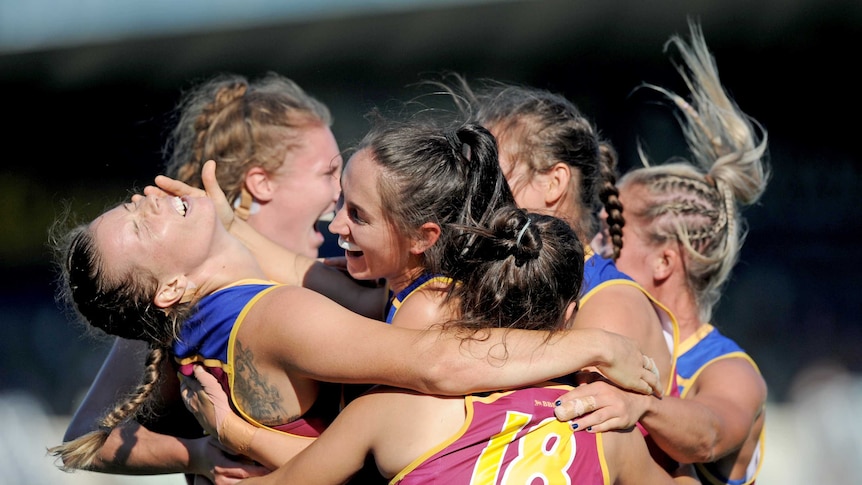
[{"x": 337, "y": 226}]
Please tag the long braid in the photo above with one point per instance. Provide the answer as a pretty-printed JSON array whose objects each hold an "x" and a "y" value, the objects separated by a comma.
[
  {"x": 82, "y": 452},
  {"x": 609, "y": 194}
]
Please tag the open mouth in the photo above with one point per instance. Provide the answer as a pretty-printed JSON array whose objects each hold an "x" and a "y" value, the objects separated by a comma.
[
  {"x": 179, "y": 205},
  {"x": 322, "y": 222},
  {"x": 348, "y": 246}
]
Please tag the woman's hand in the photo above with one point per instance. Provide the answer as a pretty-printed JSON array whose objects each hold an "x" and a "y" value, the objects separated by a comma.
[
  {"x": 207, "y": 401},
  {"x": 212, "y": 464},
  {"x": 168, "y": 186},
  {"x": 597, "y": 405},
  {"x": 628, "y": 367}
]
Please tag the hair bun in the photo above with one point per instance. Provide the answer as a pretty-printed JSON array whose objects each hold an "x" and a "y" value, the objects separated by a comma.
[{"x": 524, "y": 237}]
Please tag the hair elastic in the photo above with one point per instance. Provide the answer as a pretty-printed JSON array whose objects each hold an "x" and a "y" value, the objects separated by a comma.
[
  {"x": 245, "y": 204},
  {"x": 522, "y": 231}
]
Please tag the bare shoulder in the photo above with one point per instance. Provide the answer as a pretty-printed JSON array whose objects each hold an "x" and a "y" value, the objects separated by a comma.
[
  {"x": 737, "y": 373},
  {"x": 423, "y": 308},
  {"x": 615, "y": 307}
]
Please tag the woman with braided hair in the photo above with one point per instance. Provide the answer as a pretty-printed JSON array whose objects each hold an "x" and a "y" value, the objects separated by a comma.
[
  {"x": 556, "y": 163},
  {"x": 166, "y": 270},
  {"x": 682, "y": 238},
  {"x": 517, "y": 271},
  {"x": 280, "y": 166}
]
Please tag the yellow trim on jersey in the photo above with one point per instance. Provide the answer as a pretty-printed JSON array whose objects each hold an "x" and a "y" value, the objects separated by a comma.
[
  {"x": 468, "y": 419},
  {"x": 600, "y": 449},
  {"x": 444, "y": 280},
  {"x": 687, "y": 345},
  {"x": 215, "y": 363},
  {"x": 231, "y": 345},
  {"x": 669, "y": 324},
  {"x": 463, "y": 429}
]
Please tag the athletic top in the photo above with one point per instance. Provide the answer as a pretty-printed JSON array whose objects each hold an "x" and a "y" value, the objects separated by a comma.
[
  {"x": 512, "y": 437},
  {"x": 425, "y": 279},
  {"x": 208, "y": 337},
  {"x": 601, "y": 272},
  {"x": 701, "y": 349}
]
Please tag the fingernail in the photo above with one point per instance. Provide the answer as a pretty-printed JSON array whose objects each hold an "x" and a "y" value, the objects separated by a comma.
[
  {"x": 590, "y": 428},
  {"x": 558, "y": 403},
  {"x": 574, "y": 425}
]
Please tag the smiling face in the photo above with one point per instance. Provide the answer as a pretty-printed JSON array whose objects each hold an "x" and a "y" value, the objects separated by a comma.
[
  {"x": 159, "y": 235},
  {"x": 304, "y": 190},
  {"x": 373, "y": 246}
]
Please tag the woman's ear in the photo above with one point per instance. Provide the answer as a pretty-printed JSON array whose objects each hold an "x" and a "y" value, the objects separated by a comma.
[
  {"x": 665, "y": 263},
  {"x": 428, "y": 235},
  {"x": 177, "y": 290},
  {"x": 571, "y": 310},
  {"x": 259, "y": 184},
  {"x": 558, "y": 182}
]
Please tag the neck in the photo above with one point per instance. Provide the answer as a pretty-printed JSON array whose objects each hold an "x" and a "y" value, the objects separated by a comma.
[
  {"x": 224, "y": 268},
  {"x": 681, "y": 303},
  {"x": 404, "y": 279}
]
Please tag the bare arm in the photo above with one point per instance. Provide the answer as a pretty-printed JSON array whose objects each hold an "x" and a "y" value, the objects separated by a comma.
[
  {"x": 337, "y": 454},
  {"x": 132, "y": 448},
  {"x": 206, "y": 399},
  {"x": 714, "y": 420},
  {"x": 282, "y": 265},
  {"x": 626, "y": 310},
  {"x": 629, "y": 460},
  {"x": 118, "y": 376},
  {"x": 301, "y": 323}
]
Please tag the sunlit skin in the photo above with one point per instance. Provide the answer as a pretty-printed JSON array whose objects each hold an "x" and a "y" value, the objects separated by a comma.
[
  {"x": 305, "y": 188},
  {"x": 178, "y": 249},
  {"x": 543, "y": 193},
  {"x": 617, "y": 308},
  {"x": 639, "y": 256},
  {"x": 288, "y": 344},
  {"x": 713, "y": 421},
  {"x": 291, "y": 200},
  {"x": 377, "y": 250}
]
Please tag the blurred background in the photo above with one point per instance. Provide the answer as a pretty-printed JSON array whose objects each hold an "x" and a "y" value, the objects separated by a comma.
[{"x": 88, "y": 88}]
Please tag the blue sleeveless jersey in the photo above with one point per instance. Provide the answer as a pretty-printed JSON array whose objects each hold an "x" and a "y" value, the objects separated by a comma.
[
  {"x": 597, "y": 270},
  {"x": 395, "y": 301},
  {"x": 208, "y": 337},
  {"x": 704, "y": 347}
]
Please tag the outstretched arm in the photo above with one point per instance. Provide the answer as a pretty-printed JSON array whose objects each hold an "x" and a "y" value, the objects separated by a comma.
[
  {"x": 118, "y": 376},
  {"x": 300, "y": 323},
  {"x": 340, "y": 451}
]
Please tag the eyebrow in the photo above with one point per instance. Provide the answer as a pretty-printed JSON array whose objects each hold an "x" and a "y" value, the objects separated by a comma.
[{"x": 134, "y": 221}]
